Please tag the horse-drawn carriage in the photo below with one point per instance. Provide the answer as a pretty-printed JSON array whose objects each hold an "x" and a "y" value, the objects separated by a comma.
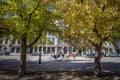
[{"x": 61, "y": 56}]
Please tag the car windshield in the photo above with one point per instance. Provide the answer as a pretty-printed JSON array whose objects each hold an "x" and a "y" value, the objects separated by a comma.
[{"x": 112, "y": 53}]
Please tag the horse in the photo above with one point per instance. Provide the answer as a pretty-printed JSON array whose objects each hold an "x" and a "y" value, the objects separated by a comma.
[{"x": 72, "y": 54}]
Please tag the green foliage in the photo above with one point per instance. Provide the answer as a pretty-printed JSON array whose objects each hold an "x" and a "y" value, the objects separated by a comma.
[
  {"x": 29, "y": 16},
  {"x": 95, "y": 21}
]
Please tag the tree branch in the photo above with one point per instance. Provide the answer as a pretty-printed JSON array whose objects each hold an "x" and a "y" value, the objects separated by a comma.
[
  {"x": 1, "y": 28},
  {"x": 91, "y": 42},
  {"x": 37, "y": 38},
  {"x": 97, "y": 32},
  {"x": 35, "y": 7},
  {"x": 30, "y": 15}
]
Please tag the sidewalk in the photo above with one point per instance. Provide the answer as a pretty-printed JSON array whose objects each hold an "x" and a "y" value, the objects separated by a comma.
[{"x": 16, "y": 54}]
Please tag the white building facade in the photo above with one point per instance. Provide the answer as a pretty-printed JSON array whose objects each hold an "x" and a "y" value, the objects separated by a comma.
[
  {"x": 55, "y": 47},
  {"x": 8, "y": 45}
]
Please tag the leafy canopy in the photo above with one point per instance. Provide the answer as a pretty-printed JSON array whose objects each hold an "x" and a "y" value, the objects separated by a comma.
[
  {"x": 28, "y": 16},
  {"x": 92, "y": 20}
]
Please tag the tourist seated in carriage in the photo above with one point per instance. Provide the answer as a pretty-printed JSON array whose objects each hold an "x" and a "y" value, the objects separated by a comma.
[{"x": 58, "y": 55}]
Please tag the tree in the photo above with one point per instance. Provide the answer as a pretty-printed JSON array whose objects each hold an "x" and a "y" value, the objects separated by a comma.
[
  {"x": 28, "y": 22},
  {"x": 3, "y": 12},
  {"x": 95, "y": 21}
]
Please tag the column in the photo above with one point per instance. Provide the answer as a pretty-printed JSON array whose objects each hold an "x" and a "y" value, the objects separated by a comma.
[
  {"x": 113, "y": 50},
  {"x": 42, "y": 49},
  {"x": 50, "y": 49},
  {"x": 38, "y": 50},
  {"x": 108, "y": 51},
  {"x": 33, "y": 52},
  {"x": 72, "y": 48},
  {"x": 46, "y": 50},
  {"x": 67, "y": 49},
  {"x": 89, "y": 51},
  {"x": 103, "y": 51},
  {"x": 63, "y": 49},
  {"x": 56, "y": 50},
  {"x": 15, "y": 50}
]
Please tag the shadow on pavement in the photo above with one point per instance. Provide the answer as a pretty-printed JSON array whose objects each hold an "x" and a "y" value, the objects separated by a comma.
[
  {"x": 13, "y": 64},
  {"x": 57, "y": 70}
]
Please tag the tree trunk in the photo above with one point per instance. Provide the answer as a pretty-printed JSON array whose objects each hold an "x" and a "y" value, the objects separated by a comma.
[
  {"x": 22, "y": 68},
  {"x": 97, "y": 70},
  {"x": 40, "y": 58}
]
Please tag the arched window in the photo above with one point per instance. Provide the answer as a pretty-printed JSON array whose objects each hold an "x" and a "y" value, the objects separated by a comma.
[
  {"x": 5, "y": 49},
  {"x": 6, "y": 41},
  {"x": 13, "y": 49},
  {"x": 18, "y": 50}
]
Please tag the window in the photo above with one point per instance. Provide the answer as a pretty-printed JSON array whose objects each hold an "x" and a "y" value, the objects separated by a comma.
[
  {"x": 118, "y": 43},
  {"x": 48, "y": 34},
  {"x": 53, "y": 39},
  {"x": 6, "y": 41}
]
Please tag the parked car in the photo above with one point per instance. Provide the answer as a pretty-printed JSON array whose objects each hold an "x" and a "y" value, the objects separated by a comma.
[
  {"x": 7, "y": 53},
  {"x": 90, "y": 55},
  {"x": 1, "y": 52},
  {"x": 103, "y": 54},
  {"x": 4, "y": 53},
  {"x": 112, "y": 54},
  {"x": 118, "y": 54}
]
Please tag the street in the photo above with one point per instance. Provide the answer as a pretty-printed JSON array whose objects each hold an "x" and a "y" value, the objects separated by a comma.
[{"x": 109, "y": 64}]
